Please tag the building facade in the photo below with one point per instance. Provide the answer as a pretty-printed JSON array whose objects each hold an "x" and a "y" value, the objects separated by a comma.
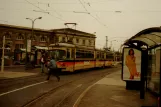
[
  {"x": 16, "y": 39},
  {"x": 74, "y": 36}
]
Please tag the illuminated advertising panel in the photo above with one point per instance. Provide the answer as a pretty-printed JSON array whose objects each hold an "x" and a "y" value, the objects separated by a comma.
[{"x": 131, "y": 64}]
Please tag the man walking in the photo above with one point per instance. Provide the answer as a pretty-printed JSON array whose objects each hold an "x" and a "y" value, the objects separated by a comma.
[{"x": 53, "y": 69}]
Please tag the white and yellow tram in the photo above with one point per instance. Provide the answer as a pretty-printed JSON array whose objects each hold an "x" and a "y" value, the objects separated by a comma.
[{"x": 71, "y": 57}]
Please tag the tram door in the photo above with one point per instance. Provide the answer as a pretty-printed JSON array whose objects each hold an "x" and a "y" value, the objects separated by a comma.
[{"x": 72, "y": 59}]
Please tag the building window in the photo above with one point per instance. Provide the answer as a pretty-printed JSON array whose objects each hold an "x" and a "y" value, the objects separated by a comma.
[
  {"x": 20, "y": 37},
  {"x": 8, "y": 35},
  {"x": 56, "y": 39},
  {"x": 89, "y": 42},
  {"x": 77, "y": 40},
  {"x": 83, "y": 42},
  {"x": 33, "y": 37},
  {"x": 43, "y": 39},
  {"x": 63, "y": 39},
  {"x": 18, "y": 46}
]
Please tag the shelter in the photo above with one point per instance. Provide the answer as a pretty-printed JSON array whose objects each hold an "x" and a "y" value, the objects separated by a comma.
[{"x": 148, "y": 42}]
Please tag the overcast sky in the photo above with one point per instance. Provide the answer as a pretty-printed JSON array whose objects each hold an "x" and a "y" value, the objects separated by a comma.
[{"x": 117, "y": 19}]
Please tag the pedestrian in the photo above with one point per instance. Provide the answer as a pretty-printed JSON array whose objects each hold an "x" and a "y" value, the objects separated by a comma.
[
  {"x": 42, "y": 63},
  {"x": 53, "y": 69}
]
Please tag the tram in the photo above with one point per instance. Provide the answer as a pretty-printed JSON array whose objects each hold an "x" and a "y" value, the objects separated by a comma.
[{"x": 71, "y": 57}]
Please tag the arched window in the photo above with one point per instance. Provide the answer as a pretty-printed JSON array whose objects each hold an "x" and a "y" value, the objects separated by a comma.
[
  {"x": 84, "y": 42},
  {"x": 20, "y": 36},
  {"x": 7, "y": 35},
  {"x": 89, "y": 42},
  {"x": 77, "y": 40},
  {"x": 33, "y": 37},
  {"x": 63, "y": 39},
  {"x": 43, "y": 39}
]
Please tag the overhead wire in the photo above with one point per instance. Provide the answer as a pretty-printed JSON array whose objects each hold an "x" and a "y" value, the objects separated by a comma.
[
  {"x": 83, "y": 6},
  {"x": 47, "y": 4},
  {"x": 90, "y": 7},
  {"x": 44, "y": 10},
  {"x": 91, "y": 14},
  {"x": 35, "y": 5}
]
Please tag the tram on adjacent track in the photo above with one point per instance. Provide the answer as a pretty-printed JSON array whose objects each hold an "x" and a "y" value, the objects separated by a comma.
[{"x": 71, "y": 57}]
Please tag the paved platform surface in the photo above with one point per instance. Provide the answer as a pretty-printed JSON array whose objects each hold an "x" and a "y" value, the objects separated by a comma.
[{"x": 111, "y": 92}]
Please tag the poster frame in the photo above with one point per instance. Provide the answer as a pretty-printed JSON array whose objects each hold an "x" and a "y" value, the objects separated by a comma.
[{"x": 122, "y": 72}]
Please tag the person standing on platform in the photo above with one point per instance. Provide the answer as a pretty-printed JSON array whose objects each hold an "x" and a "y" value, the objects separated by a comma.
[{"x": 42, "y": 63}]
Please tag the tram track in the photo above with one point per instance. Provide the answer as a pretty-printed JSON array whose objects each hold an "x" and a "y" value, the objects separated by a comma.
[
  {"x": 16, "y": 83},
  {"x": 68, "y": 94}
]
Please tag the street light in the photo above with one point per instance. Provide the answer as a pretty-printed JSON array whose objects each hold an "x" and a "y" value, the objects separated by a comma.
[
  {"x": 33, "y": 23},
  {"x": 32, "y": 32}
]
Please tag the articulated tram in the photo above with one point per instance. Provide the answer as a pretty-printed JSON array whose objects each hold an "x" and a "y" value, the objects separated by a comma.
[{"x": 71, "y": 57}]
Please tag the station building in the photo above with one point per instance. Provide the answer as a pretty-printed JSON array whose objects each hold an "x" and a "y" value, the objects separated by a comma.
[{"x": 16, "y": 39}]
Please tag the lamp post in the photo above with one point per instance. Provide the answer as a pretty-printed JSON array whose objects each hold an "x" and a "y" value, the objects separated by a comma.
[
  {"x": 112, "y": 44},
  {"x": 32, "y": 34},
  {"x": 2, "y": 64},
  {"x": 113, "y": 50},
  {"x": 33, "y": 23}
]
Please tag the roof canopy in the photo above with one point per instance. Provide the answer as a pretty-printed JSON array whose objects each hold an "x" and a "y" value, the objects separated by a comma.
[
  {"x": 150, "y": 37},
  {"x": 42, "y": 48}
]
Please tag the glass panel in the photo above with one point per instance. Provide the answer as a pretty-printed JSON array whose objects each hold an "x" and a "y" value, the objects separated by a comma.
[
  {"x": 156, "y": 33},
  {"x": 68, "y": 53},
  {"x": 145, "y": 40},
  {"x": 154, "y": 71},
  {"x": 154, "y": 38},
  {"x": 58, "y": 54}
]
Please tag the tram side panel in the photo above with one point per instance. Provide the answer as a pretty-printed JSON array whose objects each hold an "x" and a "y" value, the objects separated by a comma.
[
  {"x": 84, "y": 59},
  {"x": 100, "y": 60}
]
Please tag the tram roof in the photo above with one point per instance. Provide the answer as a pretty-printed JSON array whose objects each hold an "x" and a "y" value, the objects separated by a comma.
[{"x": 150, "y": 37}]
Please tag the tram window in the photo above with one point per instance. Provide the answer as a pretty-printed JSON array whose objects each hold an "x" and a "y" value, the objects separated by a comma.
[
  {"x": 92, "y": 54},
  {"x": 80, "y": 54},
  {"x": 58, "y": 54},
  {"x": 106, "y": 56},
  {"x": 68, "y": 53},
  {"x": 102, "y": 55},
  {"x": 73, "y": 53},
  {"x": 77, "y": 54},
  {"x": 98, "y": 55},
  {"x": 89, "y": 54}
]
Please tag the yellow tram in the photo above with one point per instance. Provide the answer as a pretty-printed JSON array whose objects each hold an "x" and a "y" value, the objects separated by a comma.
[{"x": 71, "y": 57}]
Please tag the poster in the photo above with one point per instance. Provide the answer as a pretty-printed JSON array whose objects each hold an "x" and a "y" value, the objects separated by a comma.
[{"x": 131, "y": 64}]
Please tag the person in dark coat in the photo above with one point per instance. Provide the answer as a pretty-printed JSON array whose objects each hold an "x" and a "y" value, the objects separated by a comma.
[{"x": 53, "y": 69}]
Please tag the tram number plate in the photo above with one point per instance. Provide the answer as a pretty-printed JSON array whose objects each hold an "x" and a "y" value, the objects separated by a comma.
[{"x": 86, "y": 62}]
